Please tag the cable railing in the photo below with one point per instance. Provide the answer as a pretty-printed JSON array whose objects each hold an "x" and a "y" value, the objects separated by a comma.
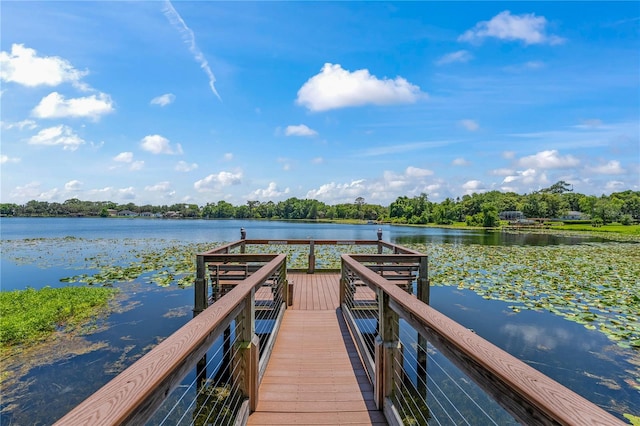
[
  {"x": 429, "y": 370},
  {"x": 207, "y": 372}
]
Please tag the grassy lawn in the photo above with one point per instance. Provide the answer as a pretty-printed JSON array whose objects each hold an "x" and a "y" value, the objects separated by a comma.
[
  {"x": 617, "y": 228},
  {"x": 28, "y": 316}
]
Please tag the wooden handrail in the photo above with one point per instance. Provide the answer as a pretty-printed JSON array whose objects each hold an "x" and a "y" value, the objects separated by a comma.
[
  {"x": 529, "y": 395},
  {"x": 134, "y": 395}
]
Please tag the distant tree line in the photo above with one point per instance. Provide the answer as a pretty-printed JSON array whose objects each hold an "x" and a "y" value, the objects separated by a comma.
[{"x": 476, "y": 209}]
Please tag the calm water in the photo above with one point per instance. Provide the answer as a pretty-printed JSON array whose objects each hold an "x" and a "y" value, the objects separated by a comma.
[{"x": 583, "y": 360}]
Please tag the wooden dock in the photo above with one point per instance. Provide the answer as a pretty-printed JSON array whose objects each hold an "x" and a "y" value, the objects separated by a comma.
[{"x": 314, "y": 375}]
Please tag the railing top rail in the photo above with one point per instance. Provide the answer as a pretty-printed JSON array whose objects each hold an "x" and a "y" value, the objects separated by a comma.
[
  {"x": 553, "y": 400},
  {"x": 396, "y": 258},
  {"x": 131, "y": 391}
]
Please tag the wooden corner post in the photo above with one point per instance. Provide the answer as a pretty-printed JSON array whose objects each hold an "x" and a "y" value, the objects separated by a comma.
[
  {"x": 387, "y": 351},
  {"x": 200, "y": 291},
  {"x": 246, "y": 368}
]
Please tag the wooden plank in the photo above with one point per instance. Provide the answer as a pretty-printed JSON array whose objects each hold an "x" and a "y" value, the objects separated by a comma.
[{"x": 315, "y": 375}]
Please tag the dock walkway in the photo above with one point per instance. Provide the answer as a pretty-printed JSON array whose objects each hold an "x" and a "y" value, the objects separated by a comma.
[{"x": 314, "y": 375}]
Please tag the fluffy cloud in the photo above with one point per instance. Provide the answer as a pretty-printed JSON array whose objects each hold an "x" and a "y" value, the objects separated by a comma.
[
  {"x": 453, "y": 57},
  {"x": 157, "y": 144},
  {"x": 183, "y": 166},
  {"x": 54, "y": 105},
  {"x": 527, "y": 177},
  {"x": 317, "y": 160},
  {"x": 415, "y": 172},
  {"x": 529, "y": 28},
  {"x": 124, "y": 157},
  {"x": 474, "y": 186},
  {"x": 163, "y": 100},
  {"x": 228, "y": 156},
  {"x": 548, "y": 160},
  {"x": 611, "y": 168},
  {"x": 58, "y": 135},
  {"x": 271, "y": 192},
  {"x": 470, "y": 125},
  {"x": 6, "y": 159},
  {"x": 23, "y": 66},
  {"x": 335, "y": 87},
  {"x": 299, "y": 130},
  {"x": 333, "y": 190},
  {"x": 136, "y": 165},
  {"x": 73, "y": 185},
  {"x": 215, "y": 181},
  {"x": 460, "y": 162},
  {"x": 159, "y": 187},
  {"x": 127, "y": 193}
]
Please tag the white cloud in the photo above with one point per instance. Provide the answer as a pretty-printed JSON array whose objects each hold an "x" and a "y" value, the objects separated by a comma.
[
  {"x": 615, "y": 185},
  {"x": 335, "y": 87},
  {"x": 299, "y": 130},
  {"x": 183, "y": 166},
  {"x": 124, "y": 157},
  {"x": 136, "y": 165},
  {"x": 157, "y": 144},
  {"x": 332, "y": 190},
  {"x": 163, "y": 100},
  {"x": 453, "y": 57},
  {"x": 509, "y": 155},
  {"x": 611, "y": 168},
  {"x": 529, "y": 28},
  {"x": 415, "y": 172},
  {"x": 73, "y": 185},
  {"x": 23, "y": 66},
  {"x": 160, "y": 187},
  {"x": 228, "y": 156},
  {"x": 20, "y": 125},
  {"x": 217, "y": 181},
  {"x": 470, "y": 125},
  {"x": 527, "y": 177},
  {"x": 58, "y": 135},
  {"x": 54, "y": 105},
  {"x": 271, "y": 192},
  {"x": 6, "y": 159},
  {"x": 460, "y": 162},
  {"x": 473, "y": 184},
  {"x": 32, "y": 191},
  {"x": 127, "y": 193},
  {"x": 548, "y": 160},
  {"x": 317, "y": 160},
  {"x": 189, "y": 37}
]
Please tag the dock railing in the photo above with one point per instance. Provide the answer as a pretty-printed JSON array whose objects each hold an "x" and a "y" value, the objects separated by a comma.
[
  {"x": 224, "y": 349},
  {"x": 428, "y": 369}
]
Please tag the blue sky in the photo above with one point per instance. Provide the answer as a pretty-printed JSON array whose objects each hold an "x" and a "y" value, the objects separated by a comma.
[{"x": 169, "y": 102}]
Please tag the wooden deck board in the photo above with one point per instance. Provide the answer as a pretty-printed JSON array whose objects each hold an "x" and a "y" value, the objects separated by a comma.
[{"x": 314, "y": 374}]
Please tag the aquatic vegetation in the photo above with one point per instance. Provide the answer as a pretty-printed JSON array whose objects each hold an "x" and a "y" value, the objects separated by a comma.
[
  {"x": 30, "y": 315},
  {"x": 591, "y": 284},
  {"x": 594, "y": 284}
]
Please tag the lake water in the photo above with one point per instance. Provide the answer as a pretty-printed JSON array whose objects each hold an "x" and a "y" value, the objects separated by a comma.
[{"x": 40, "y": 251}]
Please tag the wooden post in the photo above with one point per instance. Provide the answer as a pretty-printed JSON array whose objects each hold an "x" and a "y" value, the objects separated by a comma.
[
  {"x": 387, "y": 350},
  {"x": 200, "y": 290},
  {"x": 243, "y": 236},
  {"x": 423, "y": 289},
  {"x": 379, "y": 240},
  {"x": 246, "y": 364},
  {"x": 312, "y": 258}
]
